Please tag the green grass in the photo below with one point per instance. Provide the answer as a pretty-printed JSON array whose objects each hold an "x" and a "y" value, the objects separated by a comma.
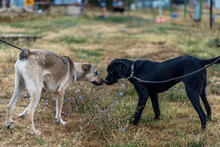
[
  {"x": 42, "y": 24},
  {"x": 73, "y": 39},
  {"x": 176, "y": 93},
  {"x": 100, "y": 116},
  {"x": 87, "y": 55},
  {"x": 121, "y": 19}
]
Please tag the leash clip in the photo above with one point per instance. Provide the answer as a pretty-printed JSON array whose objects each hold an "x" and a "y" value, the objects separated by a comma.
[{"x": 132, "y": 71}]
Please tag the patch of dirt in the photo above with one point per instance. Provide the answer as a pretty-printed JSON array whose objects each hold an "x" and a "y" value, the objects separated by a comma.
[{"x": 152, "y": 51}]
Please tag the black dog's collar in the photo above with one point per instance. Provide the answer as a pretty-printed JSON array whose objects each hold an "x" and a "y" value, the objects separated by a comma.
[{"x": 132, "y": 71}]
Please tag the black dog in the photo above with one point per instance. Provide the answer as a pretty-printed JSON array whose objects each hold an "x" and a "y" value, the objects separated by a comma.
[{"x": 159, "y": 71}]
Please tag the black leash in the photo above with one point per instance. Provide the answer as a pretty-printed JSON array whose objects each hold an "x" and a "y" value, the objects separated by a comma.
[
  {"x": 11, "y": 44},
  {"x": 172, "y": 79}
]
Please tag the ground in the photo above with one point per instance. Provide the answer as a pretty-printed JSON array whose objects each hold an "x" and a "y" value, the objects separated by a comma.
[{"x": 100, "y": 116}]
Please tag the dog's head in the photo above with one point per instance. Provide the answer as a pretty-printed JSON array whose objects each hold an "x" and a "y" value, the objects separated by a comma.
[
  {"x": 91, "y": 74},
  {"x": 117, "y": 69}
]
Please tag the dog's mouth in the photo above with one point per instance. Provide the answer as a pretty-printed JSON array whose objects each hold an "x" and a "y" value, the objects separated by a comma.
[
  {"x": 98, "y": 83},
  {"x": 107, "y": 82}
]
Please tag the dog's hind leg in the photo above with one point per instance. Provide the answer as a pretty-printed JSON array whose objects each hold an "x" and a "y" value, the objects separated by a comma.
[
  {"x": 23, "y": 114},
  {"x": 155, "y": 104},
  {"x": 34, "y": 87},
  {"x": 193, "y": 96},
  {"x": 207, "y": 106},
  {"x": 19, "y": 88},
  {"x": 143, "y": 96}
]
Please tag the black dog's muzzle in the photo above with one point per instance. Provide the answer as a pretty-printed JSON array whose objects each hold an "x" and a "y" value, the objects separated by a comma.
[{"x": 106, "y": 82}]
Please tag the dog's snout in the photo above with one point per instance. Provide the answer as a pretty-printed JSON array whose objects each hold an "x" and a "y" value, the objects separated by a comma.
[
  {"x": 103, "y": 81},
  {"x": 106, "y": 81},
  {"x": 98, "y": 83}
]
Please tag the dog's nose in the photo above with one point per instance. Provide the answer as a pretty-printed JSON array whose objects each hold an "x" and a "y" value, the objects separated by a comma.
[
  {"x": 106, "y": 81},
  {"x": 103, "y": 81}
]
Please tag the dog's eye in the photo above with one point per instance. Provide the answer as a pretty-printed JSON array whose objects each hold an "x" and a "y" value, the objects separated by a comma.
[{"x": 97, "y": 73}]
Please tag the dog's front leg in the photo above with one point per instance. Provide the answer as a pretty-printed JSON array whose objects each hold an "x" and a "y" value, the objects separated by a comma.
[
  {"x": 155, "y": 104},
  {"x": 59, "y": 105},
  {"x": 143, "y": 96}
]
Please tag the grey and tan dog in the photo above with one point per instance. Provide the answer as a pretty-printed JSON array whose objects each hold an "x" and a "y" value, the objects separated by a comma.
[{"x": 40, "y": 69}]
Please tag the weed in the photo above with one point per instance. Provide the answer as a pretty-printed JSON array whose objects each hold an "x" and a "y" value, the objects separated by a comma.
[
  {"x": 73, "y": 39},
  {"x": 196, "y": 143},
  {"x": 176, "y": 93},
  {"x": 122, "y": 19}
]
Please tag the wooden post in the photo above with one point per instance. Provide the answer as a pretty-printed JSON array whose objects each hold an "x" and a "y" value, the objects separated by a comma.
[
  {"x": 11, "y": 3},
  {"x": 171, "y": 7},
  {"x": 142, "y": 3},
  {"x": 200, "y": 12},
  {"x": 160, "y": 8},
  {"x": 185, "y": 8},
  {"x": 211, "y": 19}
]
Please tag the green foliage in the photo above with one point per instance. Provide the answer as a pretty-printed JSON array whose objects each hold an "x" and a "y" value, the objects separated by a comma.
[
  {"x": 73, "y": 39},
  {"x": 86, "y": 54},
  {"x": 197, "y": 143},
  {"x": 122, "y": 19},
  {"x": 176, "y": 93},
  {"x": 214, "y": 42},
  {"x": 44, "y": 24}
]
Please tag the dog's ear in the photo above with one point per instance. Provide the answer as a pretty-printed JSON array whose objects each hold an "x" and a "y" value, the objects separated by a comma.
[
  {"x": 86, "y": 67},
  {"x": 122, "y": 69}
]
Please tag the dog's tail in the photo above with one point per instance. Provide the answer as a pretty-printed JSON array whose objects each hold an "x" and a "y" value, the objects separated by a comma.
[
  {"x": 211, "y": 61},
  {"x": 24, "y": 54}
]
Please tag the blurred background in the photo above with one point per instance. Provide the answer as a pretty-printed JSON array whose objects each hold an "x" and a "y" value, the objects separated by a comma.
[{"x": 98, "y": 31}]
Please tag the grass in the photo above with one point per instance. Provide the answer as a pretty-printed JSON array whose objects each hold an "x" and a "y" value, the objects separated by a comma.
[
  {"x": 100, "y": 116},
  {"x": 41, "y": 24},
  {"x": 122, "y": 19},
  {"x": 73, "y": 40}
]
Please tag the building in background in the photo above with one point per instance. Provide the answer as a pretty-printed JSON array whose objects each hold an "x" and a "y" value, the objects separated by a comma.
[
  {"x": 17, "y": 3},
  {"x": 5, "y": 3},
  {"x": 65, "y": 2},
  {"x": 178, "y": 2},
  {"x": 217, "y": 4},
  {"x": 68, "y": 7},
  {"x": 152, "y": 3},
  {"x": 42, "y": 4}
]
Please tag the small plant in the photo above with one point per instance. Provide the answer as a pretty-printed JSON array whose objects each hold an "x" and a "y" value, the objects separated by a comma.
[
  {"x": 122, "y": 19},
  {"x": 176, "y": 93},
  {"x": 89, "y": 55},
  {"x": 214, "y": 42},
  {"x": 196, "y": 143},
  {"x": 73, "y": 39}
]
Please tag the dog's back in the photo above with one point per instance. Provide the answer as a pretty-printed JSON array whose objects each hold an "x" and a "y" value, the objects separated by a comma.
[{"x": 44, "y": 65}]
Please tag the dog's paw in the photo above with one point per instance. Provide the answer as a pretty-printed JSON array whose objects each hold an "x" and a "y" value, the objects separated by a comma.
[
  {"x": 10, "y": 125},
  {"x": 133, "y": 123},
  {"x": 203, "y": 126},
  {"x": 209, "y": 118},
  {"x": 34, "y": 132},
  {"x": 157, "y": 118},
  {"x": 62, "y": 122},
  {"x": 21, "y": 115}
]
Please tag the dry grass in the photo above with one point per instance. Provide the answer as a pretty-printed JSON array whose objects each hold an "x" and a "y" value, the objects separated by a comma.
[{"x": 90, "y": 39}]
